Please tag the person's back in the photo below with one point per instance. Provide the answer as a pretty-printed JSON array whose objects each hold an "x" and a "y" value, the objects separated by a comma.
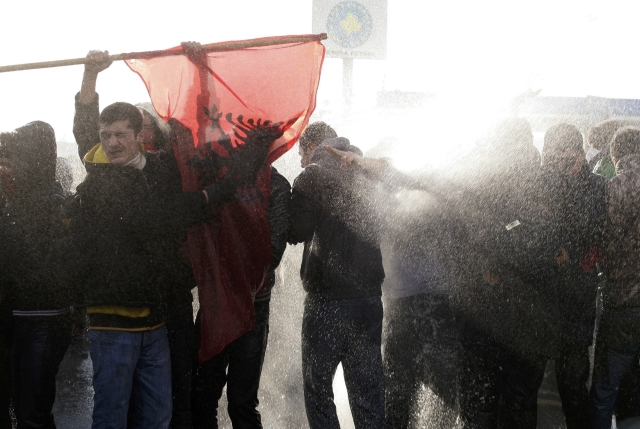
[
  {"x": 334, "y": 218},
  {"x": 342, "y": 274}
]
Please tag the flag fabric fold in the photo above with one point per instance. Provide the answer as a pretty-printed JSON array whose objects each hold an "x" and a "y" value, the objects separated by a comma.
[{"x": 258, "y": 95}]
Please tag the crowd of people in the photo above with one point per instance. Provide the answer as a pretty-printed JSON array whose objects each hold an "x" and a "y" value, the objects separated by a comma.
[{"x": 466, "y": 280}]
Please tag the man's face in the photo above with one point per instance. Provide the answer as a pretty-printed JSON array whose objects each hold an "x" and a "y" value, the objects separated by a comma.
[
  {"x": 305, "y": 155},
  {"x": 119, "y": 142}
]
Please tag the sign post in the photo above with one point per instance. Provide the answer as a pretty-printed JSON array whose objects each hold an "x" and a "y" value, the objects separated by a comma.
[{"x": 356, "y": 30}]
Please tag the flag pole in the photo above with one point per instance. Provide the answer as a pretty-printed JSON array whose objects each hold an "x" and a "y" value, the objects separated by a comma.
[{"x": 214, "y": 47}]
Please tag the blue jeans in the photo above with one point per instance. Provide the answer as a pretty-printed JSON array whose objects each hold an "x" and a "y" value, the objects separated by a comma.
[
  {"x": 347, "y": 332},
  {"x": 131, "y": 366},
  {"x": 617, "y": 348}
]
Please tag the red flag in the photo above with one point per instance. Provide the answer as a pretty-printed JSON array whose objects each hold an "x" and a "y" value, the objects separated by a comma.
[{"x": 215, "y": 110}]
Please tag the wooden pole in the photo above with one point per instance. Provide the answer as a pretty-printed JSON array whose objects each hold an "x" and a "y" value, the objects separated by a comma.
[{"x": 214, "y": 47}]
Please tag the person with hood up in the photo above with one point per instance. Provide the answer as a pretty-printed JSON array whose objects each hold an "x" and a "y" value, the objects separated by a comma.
[
  {"x": 342, "y": 273},
  {"x": 33, "y": 251},
  {"x": 127, "y": 218},
  {"x": 619, "y": 334},
  {"x": 576, "y": 196}
]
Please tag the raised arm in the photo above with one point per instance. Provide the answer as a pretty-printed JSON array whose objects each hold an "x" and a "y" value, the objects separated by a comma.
[
  {"x": 379, "y": 169},
  {"x": 87, "y": 112}
]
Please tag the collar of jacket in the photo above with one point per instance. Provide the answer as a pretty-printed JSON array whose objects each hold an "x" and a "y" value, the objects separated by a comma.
[{"x": 97, "y": 156}]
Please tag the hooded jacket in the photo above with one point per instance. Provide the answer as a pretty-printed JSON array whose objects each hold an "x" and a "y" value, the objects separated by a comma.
[
  {"x": 32, "y": 223},
  {"x": 622, "y": 234},
  {"x": 127, "y": 224},
  {"x": 332, "y": 213}
]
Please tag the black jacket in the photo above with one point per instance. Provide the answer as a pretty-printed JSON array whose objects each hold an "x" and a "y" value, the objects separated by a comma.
[
  {"x": 279, "y": 221},
  {"x": 579, "y": 205},
  {"x": 33, "y": 251},
  {"x": 127, "y": 225},
  {"x": 332, "y": 213}
]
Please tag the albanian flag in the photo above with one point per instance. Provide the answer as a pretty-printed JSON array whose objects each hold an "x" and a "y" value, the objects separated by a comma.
[{"x": 233, "y": 97}]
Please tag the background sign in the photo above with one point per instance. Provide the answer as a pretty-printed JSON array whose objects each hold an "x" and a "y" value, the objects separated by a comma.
[{"x": 356, "y": 29}]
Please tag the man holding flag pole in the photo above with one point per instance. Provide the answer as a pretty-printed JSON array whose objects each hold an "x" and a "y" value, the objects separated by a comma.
[{"x": 132, "y": 206}]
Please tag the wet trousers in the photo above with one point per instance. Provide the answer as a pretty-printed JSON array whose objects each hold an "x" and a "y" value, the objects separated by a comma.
[
  {"x": 39, "y": 345},
  {"x": 131, "y": 367},
  {"x": 181, "y": 337},
  {"x": 498, "y": 388},
  {"x": 347, "y": 332},
  {"x": 239, "y": 366},
  {"x": 6, "y": 339},
  {"x": 421, "y": 347},
  {"x": 617, "y": 350},
  {"x": 572, "y": 372}
]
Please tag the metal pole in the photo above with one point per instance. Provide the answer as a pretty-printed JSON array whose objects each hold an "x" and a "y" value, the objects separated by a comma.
[{"x": 347, "y": 80}]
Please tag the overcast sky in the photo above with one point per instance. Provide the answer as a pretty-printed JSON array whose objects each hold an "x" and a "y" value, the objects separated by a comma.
[{"x": 489, "y": 49}]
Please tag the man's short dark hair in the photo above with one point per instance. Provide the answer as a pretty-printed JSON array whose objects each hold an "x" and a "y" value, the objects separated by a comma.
[
  {"x": 626, "y": 141},
  {"x": 600, "y": 135},
  {"x": 121, "y": 111},
  {"x": 563, "y": 137},
  {"x": 316, "y": 133}
]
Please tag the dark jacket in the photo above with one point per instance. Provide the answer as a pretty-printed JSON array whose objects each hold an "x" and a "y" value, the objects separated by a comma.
[
  {"x": 33, "y": 250},
  {"x": 496, "y": 299},
  {"x": 127, "y": 225},
  {"x": 579, "y": 206},
  {"x": 279, "y": 220},
  {"x": 622, "y": 234},
  {"x": 332, "y": 213}
]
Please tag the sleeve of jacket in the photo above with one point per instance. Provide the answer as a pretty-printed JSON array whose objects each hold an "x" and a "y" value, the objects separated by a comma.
[
  {"x": 86, "y": 128},
  {"x": 305, "y": 206},
  {"x": 279, "y": 216}
]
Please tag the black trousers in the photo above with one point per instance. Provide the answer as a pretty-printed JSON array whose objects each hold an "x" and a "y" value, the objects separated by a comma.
[
  {"x": 181, "y": 334},
  {"x": 572, "y": 372},
  {"x": 239, "y": 366},
  {"x": 347, "y": 332},
  {"x": 498, "y": 387},
  {"x": 420, "y": 347},
  {"x": 6, "y": 340},
  {"x": 39, "y": 345}
]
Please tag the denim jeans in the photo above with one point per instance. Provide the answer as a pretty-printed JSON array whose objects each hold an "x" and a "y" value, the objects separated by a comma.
[
  {"x": 347, "y": 332},
  {"x": 617, "y": 348},
  {"x": 239, "y": 366},
  {"x": 131, "y": 366},
  {"x": 39, "y": 345}
]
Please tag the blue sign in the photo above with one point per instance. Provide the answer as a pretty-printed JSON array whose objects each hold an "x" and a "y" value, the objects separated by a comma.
[{"x": 349, "y": 24}]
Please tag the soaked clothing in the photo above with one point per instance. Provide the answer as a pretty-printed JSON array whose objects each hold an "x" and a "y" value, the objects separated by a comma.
[
  {"x": 239, "y": 367},
  {"x": 332, "y": 213},
  {"x": 127, "y": 223},
  {"x": 618, "y": 345},
  {"x": 623, "y": 234},
  {"x": 420, "y": 350},
  {"x": 347, "y": 332}
]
